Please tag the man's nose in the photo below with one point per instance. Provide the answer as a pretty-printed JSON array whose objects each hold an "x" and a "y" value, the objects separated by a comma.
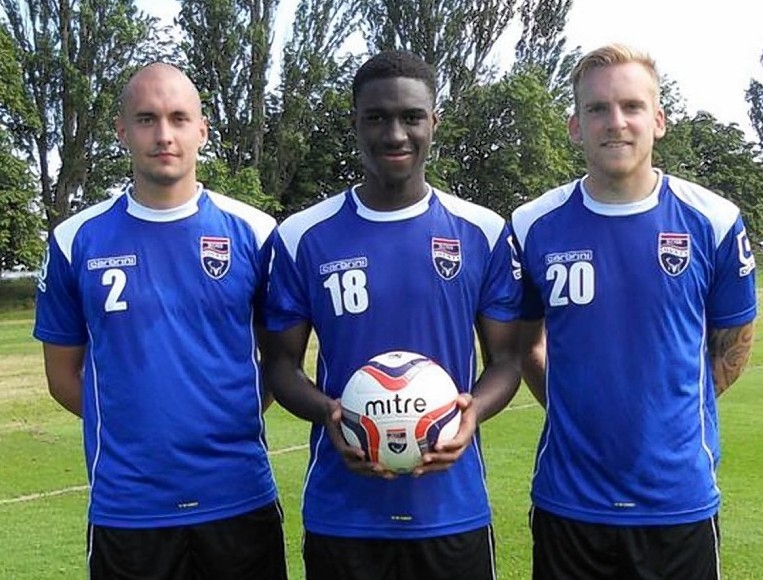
[
  {"x": 163, "y": 131},
  {"x": 395, "y": 132}
]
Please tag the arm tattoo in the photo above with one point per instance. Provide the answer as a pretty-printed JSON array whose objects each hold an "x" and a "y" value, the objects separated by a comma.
[{"x": 729, "y": 351}]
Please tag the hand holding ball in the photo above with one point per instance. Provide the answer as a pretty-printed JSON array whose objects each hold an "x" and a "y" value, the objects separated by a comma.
[{"x": 397, "y": 407}]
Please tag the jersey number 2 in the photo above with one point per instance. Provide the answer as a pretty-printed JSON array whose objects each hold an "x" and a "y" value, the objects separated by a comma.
[{"x": 117, "y": 279}]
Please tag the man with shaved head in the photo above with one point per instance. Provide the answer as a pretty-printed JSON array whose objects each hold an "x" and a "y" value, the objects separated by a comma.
[
  {"x": 164, "y": 172},
  {"x": 147, "y": 308}
]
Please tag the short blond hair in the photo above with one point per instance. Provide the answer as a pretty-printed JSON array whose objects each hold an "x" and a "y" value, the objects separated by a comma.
[{"x": 611, "y": 55}]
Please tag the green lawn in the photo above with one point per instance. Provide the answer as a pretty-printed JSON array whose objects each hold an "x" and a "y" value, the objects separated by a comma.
[{"x": 43, "y": 495}]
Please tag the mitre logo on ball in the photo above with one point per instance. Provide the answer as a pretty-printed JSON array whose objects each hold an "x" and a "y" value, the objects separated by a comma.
[{"x": 397, "y": 407}]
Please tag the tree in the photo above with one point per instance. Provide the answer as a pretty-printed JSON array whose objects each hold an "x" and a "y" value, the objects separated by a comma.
[
  {"x": 17, "y": 113},
  {"x": 754, "y": 97},
  {"x": 454, "y": 36},
  {"x": 541, "y": 45},
  {"x": 718, "y": 157},
  {"x": 331, "y": 161},
  {"x": 310, "y": 77},
  {"x": 20, "y": 220},
  {"x": 674, "y": 153},
  {"x": 245, "y": 185},
  {"x": 74, "y": 57},
  {"x": 227, "y": 45},
  {"x": 21, "y": 224},
  {"x": 504, "y": 143}
]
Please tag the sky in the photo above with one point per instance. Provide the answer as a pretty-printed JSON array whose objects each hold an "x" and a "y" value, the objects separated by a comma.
[{"x": 710, "y": 48}]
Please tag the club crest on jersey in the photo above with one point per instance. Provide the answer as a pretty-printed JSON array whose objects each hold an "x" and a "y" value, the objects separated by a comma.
[
  {"x": 446, "y": 256},
  {"x": 397, "y": 440},
  {"x": 674, "y": 252},
  {"x": 215, "y": 256}
]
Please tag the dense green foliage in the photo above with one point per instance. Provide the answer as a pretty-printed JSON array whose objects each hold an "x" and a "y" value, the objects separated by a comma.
[
  {"x": 754, "y": 97},
  {"x": 20, "y": 223},
  {"x": 504, "y": 143}
]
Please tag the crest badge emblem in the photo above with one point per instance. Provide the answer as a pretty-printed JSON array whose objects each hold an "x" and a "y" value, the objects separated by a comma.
[
  {"x": 446, "y": 256},
  {"x": 215, "y": 256},
  {"x": 674, "y": 253},
  {"x": 397, "y": 440}
]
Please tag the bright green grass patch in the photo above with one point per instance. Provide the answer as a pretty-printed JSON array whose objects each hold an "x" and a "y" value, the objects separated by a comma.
[
  {"x": 51, "y": 456},
  {"x": 42, "y": 474},
  {"x": 16, "y": 333},
  {"x": 44, "y": 539},
  {"x": 741, "y": 476}
]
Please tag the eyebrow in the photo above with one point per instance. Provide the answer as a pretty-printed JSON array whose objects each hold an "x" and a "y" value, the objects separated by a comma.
[
  {"x": 607, "y": 102},
  {"x": 175, "y": 113},
  {"x": 382, "y": 109}
]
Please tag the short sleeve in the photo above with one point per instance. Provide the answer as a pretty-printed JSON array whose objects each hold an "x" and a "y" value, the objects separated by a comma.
[
  {"x": 286, "y": 301},
  {"x": 502, "y": 289},
  {"x": 732, "y": 300},
  {"x": 58, "y": 317},
  {"x": 532, "y": 302}
]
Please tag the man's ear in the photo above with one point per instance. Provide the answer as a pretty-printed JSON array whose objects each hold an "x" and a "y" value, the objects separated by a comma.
[
  {"x": 204, "y": 130},
  {"x": 660, "y": 124},
  {"x": 573, "y": 128},
  {"x": 435, "y": 121},
  {"x": 121, "y": 131}
]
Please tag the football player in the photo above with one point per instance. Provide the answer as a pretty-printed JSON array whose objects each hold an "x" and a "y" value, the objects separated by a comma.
[
  {"x": 642, "y": 291},
  {"x": 393, "y": 263},
  {"x": 146, "y": 307}
]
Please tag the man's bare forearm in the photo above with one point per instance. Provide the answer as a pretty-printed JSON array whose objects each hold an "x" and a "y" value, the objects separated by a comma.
[{"x": 730, "y": 350}]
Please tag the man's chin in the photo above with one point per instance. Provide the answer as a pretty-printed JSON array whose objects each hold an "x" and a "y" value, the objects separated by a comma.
[
  {"x": 163, "y": 178},
  {"x": 617, "y": 169},
  {"x": 394, "y": 178}
]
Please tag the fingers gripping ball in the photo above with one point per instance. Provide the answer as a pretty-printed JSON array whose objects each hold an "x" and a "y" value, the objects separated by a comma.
[{"x": 397, "y": 407}]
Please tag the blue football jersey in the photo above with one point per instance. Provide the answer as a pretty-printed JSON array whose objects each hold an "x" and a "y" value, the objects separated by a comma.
[
  {"x": 629, "y": 294},
  {"x": 165, "y": 302},
  {"x": 370, "y": 282}
]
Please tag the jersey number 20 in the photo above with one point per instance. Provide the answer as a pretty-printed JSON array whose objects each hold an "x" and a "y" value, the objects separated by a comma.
[{"x": 571, "y": 283}]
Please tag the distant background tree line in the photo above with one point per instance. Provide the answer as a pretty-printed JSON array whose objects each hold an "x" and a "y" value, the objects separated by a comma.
[{"x": 502, "y": 139}]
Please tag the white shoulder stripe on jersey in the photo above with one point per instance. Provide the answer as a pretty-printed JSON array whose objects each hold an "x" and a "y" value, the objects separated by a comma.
[
  {"x": 526, "y": 215},
  {"x": 260, "y": 222},
  {"x": 720, "y": 212},
  {"x": 66, "y": 231},
  {"x": 485, "y": 219},
  {"x": 294, "y": 227}
]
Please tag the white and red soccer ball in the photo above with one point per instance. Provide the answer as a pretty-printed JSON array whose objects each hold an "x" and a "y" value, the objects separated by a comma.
[{"x": 398, "y": 406}]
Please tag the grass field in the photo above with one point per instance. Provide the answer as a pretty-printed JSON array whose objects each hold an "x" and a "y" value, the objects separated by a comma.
[{"x": 43, "y": 492}]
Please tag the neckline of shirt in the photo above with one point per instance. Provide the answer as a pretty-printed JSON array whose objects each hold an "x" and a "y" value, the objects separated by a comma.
[
  {"x": 623, "y": 209},
  {"x": 417, "y": 209},
  {"x": 184, "y": 210}
]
